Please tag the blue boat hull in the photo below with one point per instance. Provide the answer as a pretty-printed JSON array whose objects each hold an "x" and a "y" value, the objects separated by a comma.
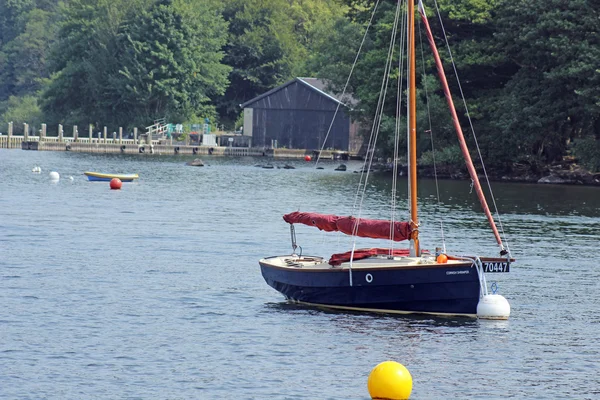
[
  {"x": 444, "y": 290},
  {"x": 102, "y": 177},
  {"x": 96, "y": 179}
]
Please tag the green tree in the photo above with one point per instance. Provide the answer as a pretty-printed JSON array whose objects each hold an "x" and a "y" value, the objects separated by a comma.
[
  {"x": 129, "y": 62},
  {"x": 553, "y": 96},
  {"x": 260, "y": 50},
  {"x": 84, "y": 62},
  {"x": 172, "y": 61},
  {"x": 26, "y": 54},
  {"x": 12, "y": 14},
  {"x": 21, "y": 110},
  {"x": 269, "y": 43},
  {"x": 336, "y": 49}
]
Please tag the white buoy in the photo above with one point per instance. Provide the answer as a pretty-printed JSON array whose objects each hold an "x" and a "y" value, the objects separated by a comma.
[
  {"x": 54, "y": 176},
  {"x": 70, "y": 178},
  {"x": 493, "y": 306}
]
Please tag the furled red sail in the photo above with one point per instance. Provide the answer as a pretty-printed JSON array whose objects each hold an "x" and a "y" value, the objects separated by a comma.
[
  {"x": 359, "y": 254},
  {"x": 324, "y": 222},
  {"x": 369, "y": 228}
]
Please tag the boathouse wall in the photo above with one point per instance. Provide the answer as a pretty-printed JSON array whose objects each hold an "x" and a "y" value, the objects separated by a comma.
[{"x": 297, "y": 115}]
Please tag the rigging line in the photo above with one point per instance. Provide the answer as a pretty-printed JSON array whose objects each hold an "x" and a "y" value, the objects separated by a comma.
[
  {"x": 397, "y": 132},
  {"x": 437, "y": 186},
  {"x": 370, "y": 142},
  {"x": 373, "y": 136},
  {"x": 408, "y": 140},
  {"x": 347, "y": 83},
  {"x": 471, "y": 126},
  {"x": 379, "y": 111},
  {"x": 377, "y": 120}
]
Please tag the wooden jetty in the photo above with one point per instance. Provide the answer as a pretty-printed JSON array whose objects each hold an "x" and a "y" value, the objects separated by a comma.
[{"x": 143, "y": 145}]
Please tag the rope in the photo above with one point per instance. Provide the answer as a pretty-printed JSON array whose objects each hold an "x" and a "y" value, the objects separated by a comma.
[
  {"x": 397, "y": 132},
  {"x": 437, "y": 186},
  {"x": 374, "y": 132},
  {"x": 471, "y": 126},
  {"x": 347, "y": 83},
  {"x": 476, "y": 262}
]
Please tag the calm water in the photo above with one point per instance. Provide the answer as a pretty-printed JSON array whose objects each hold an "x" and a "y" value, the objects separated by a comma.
[{"x": 154, "y": 291}]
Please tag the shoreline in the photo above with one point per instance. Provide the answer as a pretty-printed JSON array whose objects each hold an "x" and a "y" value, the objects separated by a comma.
[
  {"x": 566, "y": 173},
  {"x": 574, "y": 175}
]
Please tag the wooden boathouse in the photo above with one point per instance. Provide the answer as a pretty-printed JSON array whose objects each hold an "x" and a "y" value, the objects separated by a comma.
[{"x": 298, "y": 115}]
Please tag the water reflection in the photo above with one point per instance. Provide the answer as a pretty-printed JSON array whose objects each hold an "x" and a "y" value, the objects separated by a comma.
[{"x": 374, "y": 323}]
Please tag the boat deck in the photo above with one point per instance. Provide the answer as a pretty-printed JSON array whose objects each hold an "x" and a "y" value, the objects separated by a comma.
[{"x": 314, "y": 262}]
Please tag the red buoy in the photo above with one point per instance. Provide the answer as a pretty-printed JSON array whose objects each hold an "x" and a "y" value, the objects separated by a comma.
[
  {"x": 307, "y": 158},
  {"x": 115, "y": 183}
]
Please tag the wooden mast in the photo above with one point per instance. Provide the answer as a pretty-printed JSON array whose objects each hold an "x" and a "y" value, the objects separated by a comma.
[{"x": 412, "y": 127}]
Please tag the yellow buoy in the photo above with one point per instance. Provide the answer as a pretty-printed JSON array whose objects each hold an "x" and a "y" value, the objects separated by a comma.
[{"x": 390, "y": 381}]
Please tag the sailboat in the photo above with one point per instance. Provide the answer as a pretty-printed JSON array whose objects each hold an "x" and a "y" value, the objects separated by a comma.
[{"x": 391, "y": 280}]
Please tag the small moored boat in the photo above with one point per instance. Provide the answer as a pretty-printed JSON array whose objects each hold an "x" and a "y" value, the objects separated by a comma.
[
  {"x": 98, "y": 176},
  {"x": 390, "y": 279}
]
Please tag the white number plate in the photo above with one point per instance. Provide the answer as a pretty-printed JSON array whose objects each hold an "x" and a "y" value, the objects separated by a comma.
[{"x": 496, "y": 266}]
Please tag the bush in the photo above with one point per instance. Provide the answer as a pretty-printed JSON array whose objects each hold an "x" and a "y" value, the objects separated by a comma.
[
  {"x": 450, "y": 155},
  {"x": 587, "y": 152},
  {"x": 21, "y": 110}
]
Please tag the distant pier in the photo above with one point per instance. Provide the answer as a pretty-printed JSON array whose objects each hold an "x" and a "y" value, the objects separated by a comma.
[{"x": 144, "y": 145}]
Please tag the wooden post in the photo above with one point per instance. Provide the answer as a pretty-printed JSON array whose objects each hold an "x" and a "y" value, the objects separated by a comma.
[
  {"x": 60, "y": 133},
  {"x": 25, "y": 132},
  {"x": 43, "y": 132},
  {"x": 105, "y": 134},
  {"x": 75, "y": 133},
  {"x": 135, "y": 136},
  {"x": 10, "y": 130},
  {"x": 90, "y": 132},
  {"x": 120, "y": 135}
]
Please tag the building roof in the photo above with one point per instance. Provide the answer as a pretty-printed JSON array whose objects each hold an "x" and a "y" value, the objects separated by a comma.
[{"x": 315, "y": 84}]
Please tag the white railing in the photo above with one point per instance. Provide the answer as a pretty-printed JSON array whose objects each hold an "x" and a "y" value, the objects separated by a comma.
[
  {"x": 159, "y": 128},
  {"x": 17, "y": 139}
]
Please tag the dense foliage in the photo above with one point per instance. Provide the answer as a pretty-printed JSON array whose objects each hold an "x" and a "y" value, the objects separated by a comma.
[{"x": 529, "y": 69}]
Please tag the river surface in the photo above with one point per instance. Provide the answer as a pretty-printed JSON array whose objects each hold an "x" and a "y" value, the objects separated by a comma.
[{"x": 154, "y": 291}]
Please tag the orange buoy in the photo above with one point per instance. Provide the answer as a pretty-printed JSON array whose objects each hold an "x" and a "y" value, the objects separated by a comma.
[
  {"x": 442, "y": 259},
  {"x": 307, "y": 158},
  {"x": 115, "y": 183}
]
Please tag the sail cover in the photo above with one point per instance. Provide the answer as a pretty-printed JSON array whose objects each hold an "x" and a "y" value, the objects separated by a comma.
[
  {"x": 359, "y": 254},
  {"x": 369, "y": 228}
]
